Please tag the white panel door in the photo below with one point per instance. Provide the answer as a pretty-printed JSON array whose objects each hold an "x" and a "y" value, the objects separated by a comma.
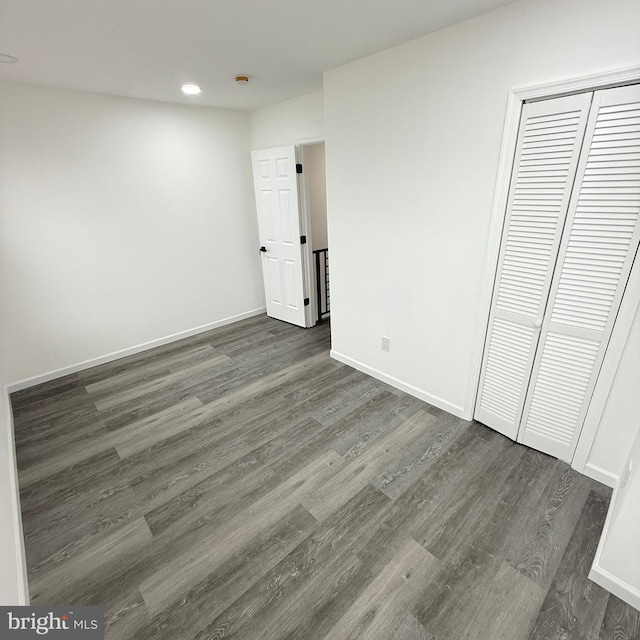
[
  {"x": 276, "y": 187},
  {"x": 595, "y": 258},
  {"x": 548, "y": 147}
]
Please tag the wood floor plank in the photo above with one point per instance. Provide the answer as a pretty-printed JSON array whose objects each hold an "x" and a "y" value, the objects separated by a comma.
[
  {"x": 363, "y": 468},
  {"x": 507, "y": 607},
  {"x": 371, "y": 420},
  {"x": 240, "y": 376},
  {"x": 136, "y": 437},
  {"x": 49, "y": 404},
  {"x": 251, "y": 476},
  {"x": 241, "y": 331},
  {"x": 61, "y": 533},
  {"x": 125, "y": 615},
  {"x": 219, "y": 589},
  {"x": 621, "y": 622},
  {"x": 145, "y": 433},
  {"x": 282, "y": 599},
  {"x": 468, "y": 455},
  {"x": 410, "y": 629},
  {"x": 179, "y": 573},
  {"x": 346, "y": 399},
  {"x": 194, "y": 455},
  {"x": 208, "y": 383},
  {"x": 71, "y": 457},
  {"x": 270, "y": 348},
  {"x": 413, "y": 461},
  {"x": 25, "y": 397},
  {"x": 77, "y": 417},
  {"x": 538, "y": 551},
  {"x": 72, "y": 488},
  {"x": 241, "y": 483},
  {"x": 41, "y": 441},
  {"x": 382, "y": 606},
  {"x": 574, "y": 606},
  {"x": 522, "y": 493},
  {"x": 166, "y": 383},
  {"x": 457, "y": 521},
  {"x": 149, "y": 370},
  {"x": 66, "y": 582}
]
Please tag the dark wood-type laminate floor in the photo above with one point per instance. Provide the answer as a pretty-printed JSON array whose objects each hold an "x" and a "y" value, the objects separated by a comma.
[{"x": 240, "y": 484}]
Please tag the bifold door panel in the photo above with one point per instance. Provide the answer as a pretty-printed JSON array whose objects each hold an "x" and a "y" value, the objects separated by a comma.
[
  {"x": 594, "y": 262},
  {"x": 575, "y": 228},
  {"x": 549, "y": 143}
]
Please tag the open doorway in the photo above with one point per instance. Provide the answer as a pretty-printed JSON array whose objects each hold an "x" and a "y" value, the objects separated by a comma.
[
  {"x": 314, "y": 206},
  {"x": 291, "y": 204}
]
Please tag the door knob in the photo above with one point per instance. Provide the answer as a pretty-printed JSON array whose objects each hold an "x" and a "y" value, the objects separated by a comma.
[
  {"x": 263, "y": 249},
  {"x": 537, "y": 323}
]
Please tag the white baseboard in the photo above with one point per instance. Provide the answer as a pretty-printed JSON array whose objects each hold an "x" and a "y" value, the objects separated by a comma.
[
  {"x": 403, "y": 386},
  {"x": 620, "y": 589},
  {"x": 601, "y": 475},
  {"x": 116, "y": 355},
  {"x": 20, "y": 555}
]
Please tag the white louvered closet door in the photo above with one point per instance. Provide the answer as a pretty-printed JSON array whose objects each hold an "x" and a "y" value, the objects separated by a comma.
[
  {"x": 595, "y": 258},
  {"x": 546, "y": 160}
]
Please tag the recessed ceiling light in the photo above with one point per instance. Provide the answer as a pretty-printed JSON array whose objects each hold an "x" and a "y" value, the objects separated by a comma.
[
  {"x": 6, "y": 58},
  {"x": 191, "y": 89}
]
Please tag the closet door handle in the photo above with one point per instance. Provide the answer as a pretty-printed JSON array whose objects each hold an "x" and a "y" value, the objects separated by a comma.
[{"x": 537, "y": 323}]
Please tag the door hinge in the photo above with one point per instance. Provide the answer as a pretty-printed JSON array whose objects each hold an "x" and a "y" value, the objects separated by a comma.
[
  {"x": 303, "y": 239},
  {"x": 298, "y": 168},
  {"x": 306, "y": 302}
]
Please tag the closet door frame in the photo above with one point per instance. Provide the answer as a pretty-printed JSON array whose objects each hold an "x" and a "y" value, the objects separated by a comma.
[{"x": 631, "y": 299}]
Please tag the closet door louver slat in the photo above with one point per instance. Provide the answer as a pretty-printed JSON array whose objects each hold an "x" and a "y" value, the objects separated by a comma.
[
  {"x": 547, "y": 152},
  {"x": 595, "y": 258}
]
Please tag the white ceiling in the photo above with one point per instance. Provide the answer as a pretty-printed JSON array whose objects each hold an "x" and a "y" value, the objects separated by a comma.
[{"x": 148, "y": 48}]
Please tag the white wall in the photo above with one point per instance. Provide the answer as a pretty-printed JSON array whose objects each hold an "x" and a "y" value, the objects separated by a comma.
[
  {"x": 617, "y": 563},
  {"x": 288, "y": 122},
  {"x": 413, "y": 138},
  {"x": 621, "y": 417},
  {"x": 122, "y": 221},
  {"x": 314, "y": 167}
]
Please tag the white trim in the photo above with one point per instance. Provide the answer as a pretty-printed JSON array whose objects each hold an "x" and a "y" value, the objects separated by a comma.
[
  {"x": 591, "y": 82},
  {"x": 305, "y": 220},
  {"x": 602, "y": 577},
  {"x": 600, "y": 475},
  {"x": 515, "y": 99},
  {"x": 307, "y": 141},
  {"x": 116, "y": 355},
  {"x": 304, "y": 208},
  {"x": 613, "y": 356},
  {"x": 455, "y": 409},
  {"x": 620, "y": 589},
  {"x": 20, "y": 555}
]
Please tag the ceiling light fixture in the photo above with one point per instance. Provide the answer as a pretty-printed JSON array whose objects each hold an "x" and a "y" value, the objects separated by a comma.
[
  {"x": 242, "y": 79},
  {"x": 191, "y": 89},
  {"x": 7, "y": 59}
]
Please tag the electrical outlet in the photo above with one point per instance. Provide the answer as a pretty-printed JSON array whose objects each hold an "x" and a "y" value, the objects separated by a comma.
[{"x": 386, "y": 343}]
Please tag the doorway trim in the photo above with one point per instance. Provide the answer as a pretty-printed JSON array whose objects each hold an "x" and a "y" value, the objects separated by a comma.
[
  {"x": 305, "y": 219},
  {"x": 630, "y": 301}
]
